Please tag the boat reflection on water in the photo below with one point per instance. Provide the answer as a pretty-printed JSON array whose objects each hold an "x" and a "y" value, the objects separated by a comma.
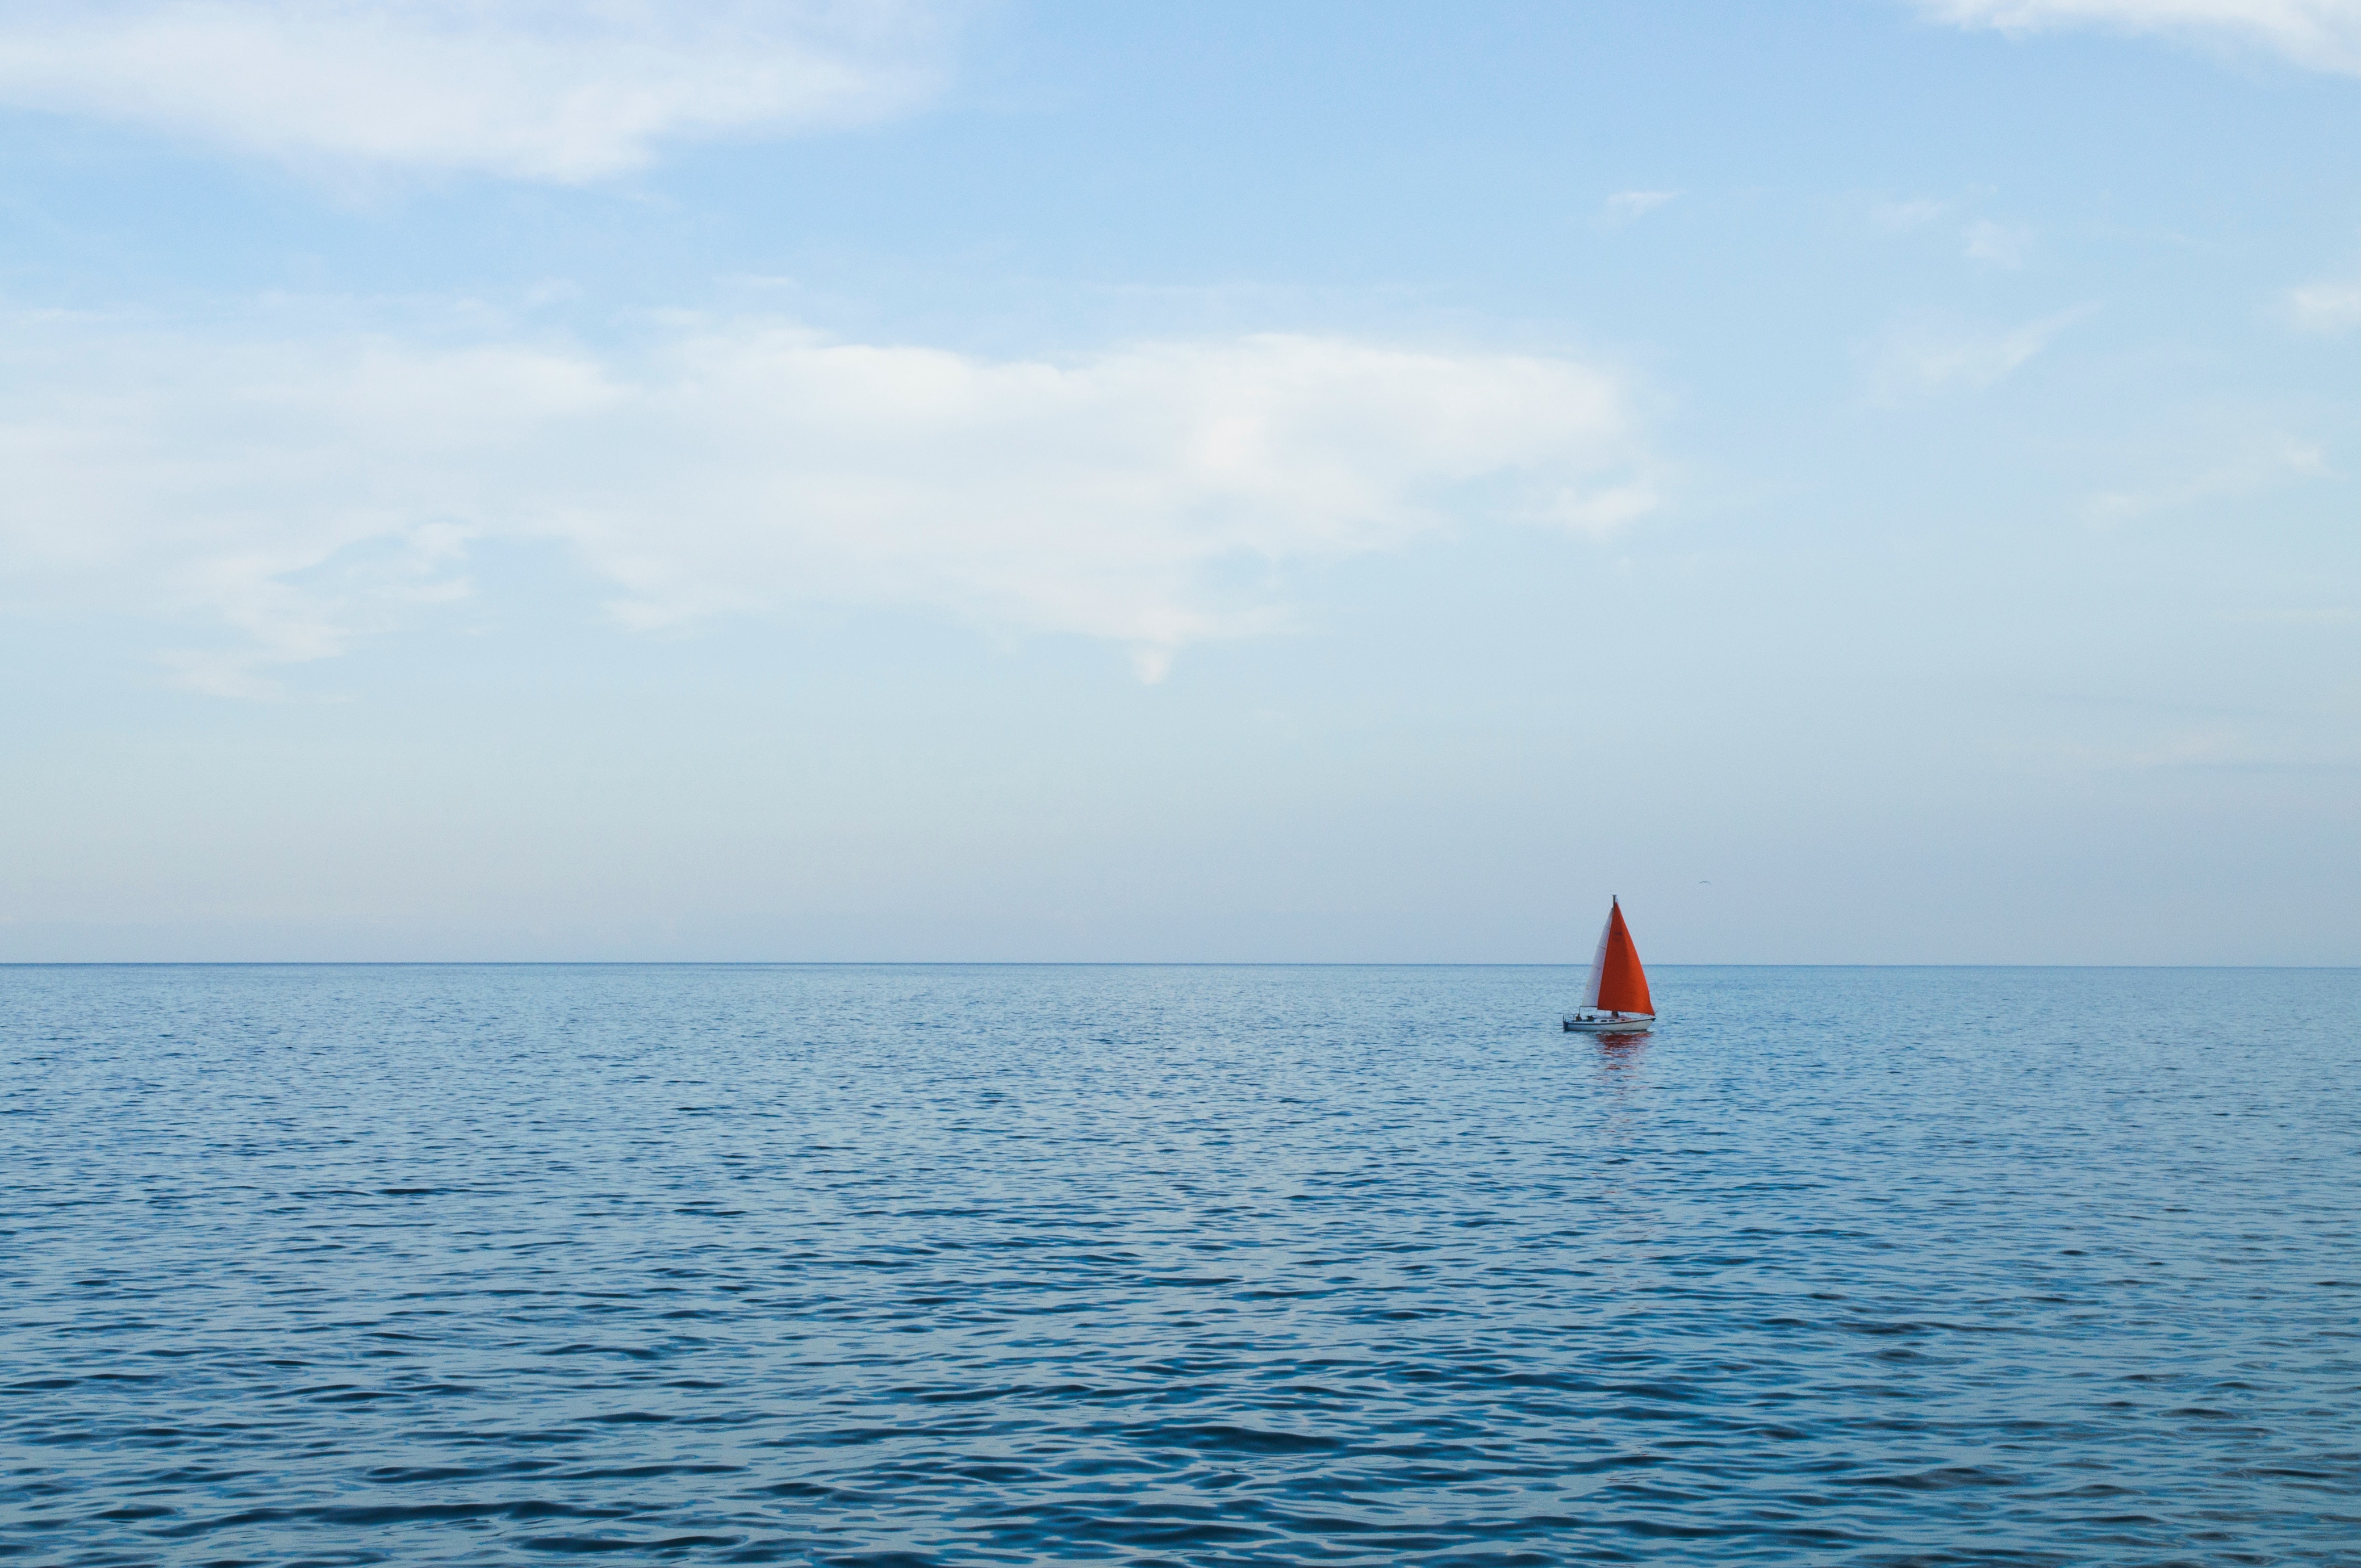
[{"x": 1621, "y": 1053}]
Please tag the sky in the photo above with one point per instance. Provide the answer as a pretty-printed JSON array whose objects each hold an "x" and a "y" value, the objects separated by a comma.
[{"x": 1864, "y": 482}]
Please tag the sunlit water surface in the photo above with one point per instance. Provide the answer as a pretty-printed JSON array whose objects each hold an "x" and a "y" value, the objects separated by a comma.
[{"x": 1178, "y": 1266}]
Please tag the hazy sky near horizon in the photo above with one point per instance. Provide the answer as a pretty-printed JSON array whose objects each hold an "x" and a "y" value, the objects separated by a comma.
[{"x": 510, "y": 480}]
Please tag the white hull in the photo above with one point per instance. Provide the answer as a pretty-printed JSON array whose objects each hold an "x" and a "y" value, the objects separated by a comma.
[{"x": 1629, "y": 1024}]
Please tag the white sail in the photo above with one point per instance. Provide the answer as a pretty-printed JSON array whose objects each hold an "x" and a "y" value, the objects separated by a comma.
[{"x": 1599, "y": 961}]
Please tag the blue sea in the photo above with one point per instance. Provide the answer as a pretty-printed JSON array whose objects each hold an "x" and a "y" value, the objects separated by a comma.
[{"x": 1178, "y": 1266}]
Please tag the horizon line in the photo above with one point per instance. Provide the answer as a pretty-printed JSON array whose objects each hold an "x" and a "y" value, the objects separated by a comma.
[{"x": 1071, "y": 963}]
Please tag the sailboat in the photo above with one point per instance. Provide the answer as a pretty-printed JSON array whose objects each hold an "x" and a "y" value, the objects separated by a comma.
[{"x": 1616, "y": 1002}]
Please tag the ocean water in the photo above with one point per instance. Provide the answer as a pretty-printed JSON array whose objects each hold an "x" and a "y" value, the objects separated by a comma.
[{"x": 914, "y": 1266}]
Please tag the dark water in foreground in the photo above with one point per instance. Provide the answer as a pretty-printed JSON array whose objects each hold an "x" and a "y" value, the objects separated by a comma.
[{"x": 1177, "y": 1266}]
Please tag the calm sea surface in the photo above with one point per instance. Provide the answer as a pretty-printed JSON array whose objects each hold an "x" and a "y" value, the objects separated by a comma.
[{"x": 1178, "y": 1266}]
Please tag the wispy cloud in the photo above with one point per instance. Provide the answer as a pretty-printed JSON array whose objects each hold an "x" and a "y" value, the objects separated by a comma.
[
  {"x": 1910, "y": 215},
  {"x": 2320, "y": 35},
  {"x": 2262, "y": 464},
  {"x": 1631, "y": 207},
  {"x": 2314, "y": 615},
  {"x": 306, "y": 491},
  {"x": 1926, "y": 356},
  {"x": 1985, "y": 240},
  {"x": 1997, "y": 245},
  {"x": 522, "y": 88},
  {"x": 2329, "y": 307}
]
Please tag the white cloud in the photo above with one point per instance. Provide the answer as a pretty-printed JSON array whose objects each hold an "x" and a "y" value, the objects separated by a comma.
[
  {"x": 308, "y": 491},
  {"x": 1997, "y": 245},
  {"x": 2321, "y": 35},
  {"x": 2326, "y": 307},
  {"x": 1629, "y": 206},
  {"x": 1922, "y": 356},
  {"x": 536, "y": 89}
]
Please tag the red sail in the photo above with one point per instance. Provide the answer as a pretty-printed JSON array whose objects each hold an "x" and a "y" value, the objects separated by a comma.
[{"x": 1622, "y": 983}]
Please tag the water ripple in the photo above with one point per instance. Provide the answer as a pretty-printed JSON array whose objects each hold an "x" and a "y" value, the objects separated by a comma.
[{"x": 1195, "y": 1266}]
